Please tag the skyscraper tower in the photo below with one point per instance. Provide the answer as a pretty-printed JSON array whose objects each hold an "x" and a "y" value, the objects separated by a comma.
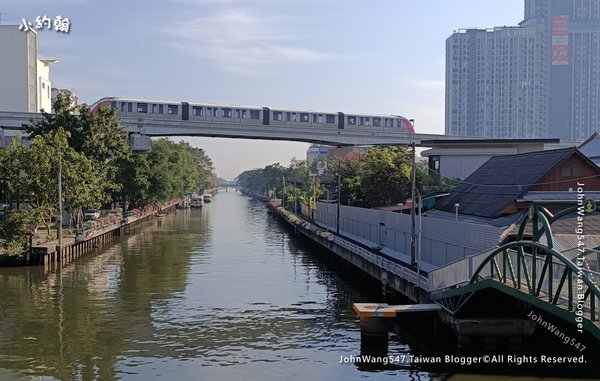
[{"x": 538, "y": 79}]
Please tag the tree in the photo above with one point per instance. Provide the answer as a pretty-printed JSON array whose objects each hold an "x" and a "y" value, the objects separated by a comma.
[
  {"x": 133, "y": 174},
  {"x": 36, "y": 182},
  {"x": 168, "y": 171},
  {"x": 205, "y": 177},
  {"x": 386, "y": 176},
  {"x": 172, "y": 172},
  {"x": 96, "y": 135},
  {"x": 379, "y": 177}
]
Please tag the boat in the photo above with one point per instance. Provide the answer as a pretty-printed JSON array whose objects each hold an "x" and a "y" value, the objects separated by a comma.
[
  {"x": 161, "y": 214},
  {"x": 207, "y": 197},
  {"x": 197, "y": 201}
]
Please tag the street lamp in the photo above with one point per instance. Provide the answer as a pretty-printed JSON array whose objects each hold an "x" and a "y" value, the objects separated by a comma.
[{"x": 456, "y": 209}]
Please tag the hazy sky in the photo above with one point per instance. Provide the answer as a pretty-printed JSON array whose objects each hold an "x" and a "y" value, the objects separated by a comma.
[{"x": 377, "y": 56}]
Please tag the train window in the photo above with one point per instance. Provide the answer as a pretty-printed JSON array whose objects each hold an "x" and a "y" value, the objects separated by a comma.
[
  {"x": 113, "y": 104},
  {"x": 154, "y": 108},
  {"x": 161, "y": 109},
  {"x": 244, "y": 114},
  {"x": 314, "y": 118},
  {"x": 330, "y": 119},
  {"x": 123, "y": 106},
  {"x": 129, "y": 107},
  {"x": 351, "y": 120},
  {"x": 288, "y": 116},
  {"x": 377, "y": 122},
  {"x": 172, "y": 109},
  {"x": 254, "y": 114},
  {"x": 197, "y": 111},
  {"x": 294, "y": 117},
  {"x": 277, "y": 115},
  {"x": 304, "y": 117},
  {"x": 215, "y": 111},
  {"x": 367, "y": 122},
  {"x": 389, "y": 123},
  {"x": 209, "y": 111},
  {"x": 227, "y": 113},
  {"x": 238, "y": 113},
  {"x": 142, "y": 107}
]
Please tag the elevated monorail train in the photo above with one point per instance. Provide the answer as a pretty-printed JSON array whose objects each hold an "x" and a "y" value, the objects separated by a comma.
[{"x": 135, "y": 108}]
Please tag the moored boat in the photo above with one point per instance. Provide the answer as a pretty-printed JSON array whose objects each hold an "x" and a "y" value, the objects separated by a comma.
[{"x": 197, "y": 201}]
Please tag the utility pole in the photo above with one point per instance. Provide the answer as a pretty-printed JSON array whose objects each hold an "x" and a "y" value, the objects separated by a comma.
[
  {"x": 283, "y": 193},
  {"x": 60, "y": 206},
  {"x": 413, "y": 259},
  {"x": 339, "y": 192},
  {"x": 295, "y": 205}
]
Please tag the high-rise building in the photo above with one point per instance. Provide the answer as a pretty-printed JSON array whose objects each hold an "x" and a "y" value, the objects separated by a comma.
[
  {"x": 540, "y": 79},
  {"x": 24, "y": 79}
]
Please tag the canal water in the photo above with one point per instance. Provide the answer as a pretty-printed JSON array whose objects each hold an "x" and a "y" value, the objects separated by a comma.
[{"x": 221, "y": 293}]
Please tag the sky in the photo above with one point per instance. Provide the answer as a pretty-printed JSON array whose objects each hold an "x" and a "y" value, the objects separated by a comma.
[{"x": 377, "y": 56}]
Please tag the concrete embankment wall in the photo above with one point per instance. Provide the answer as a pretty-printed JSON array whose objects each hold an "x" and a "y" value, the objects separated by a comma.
[
  {"x": 443, "y": 241},
  {"x": 393, "y": 275}
]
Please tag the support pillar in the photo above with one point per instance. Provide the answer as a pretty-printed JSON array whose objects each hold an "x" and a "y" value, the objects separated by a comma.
[{"x": 374, "y": 336}]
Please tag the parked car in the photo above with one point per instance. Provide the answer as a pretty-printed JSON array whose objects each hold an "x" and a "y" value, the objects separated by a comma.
[{"x": 91, "y": 214}]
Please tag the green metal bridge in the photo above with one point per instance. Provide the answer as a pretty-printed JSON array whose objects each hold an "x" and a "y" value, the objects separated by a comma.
[{"x": 531, "y": 270}]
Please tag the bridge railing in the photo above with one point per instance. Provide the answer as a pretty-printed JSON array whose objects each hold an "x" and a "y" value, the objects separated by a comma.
[
  {"x": 546, "y": 274},
  {"x": 561, "y": 287},
  {"x": 462, "y": 271}
]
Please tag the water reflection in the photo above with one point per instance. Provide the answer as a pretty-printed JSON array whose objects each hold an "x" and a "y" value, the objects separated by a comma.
[{"x": 219, "y": 293}]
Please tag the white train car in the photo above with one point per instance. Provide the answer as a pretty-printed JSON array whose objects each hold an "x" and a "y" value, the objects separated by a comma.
[{"x": 136, "y": 108}]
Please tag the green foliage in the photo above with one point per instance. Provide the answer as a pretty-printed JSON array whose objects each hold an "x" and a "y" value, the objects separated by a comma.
[
  {"x": 205, "y": 176},
  {"x": 382, "y": 177},
  {"x": 169, "y": 170},
  {"x": 14, "y": 232},
  {"x": 429, "y": 181},
  {"x": 300, "y": 187},
  {"x": 93, "y": 153},
  {"x": 97, "y": 137},
  {"x": 133, "y": 174},
  {"x": 36, "y": 182}
]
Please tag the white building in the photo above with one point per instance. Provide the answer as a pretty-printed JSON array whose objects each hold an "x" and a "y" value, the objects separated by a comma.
[
  {"x": 24, "y": 79},
  {"x": 457, "y": 159}
]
